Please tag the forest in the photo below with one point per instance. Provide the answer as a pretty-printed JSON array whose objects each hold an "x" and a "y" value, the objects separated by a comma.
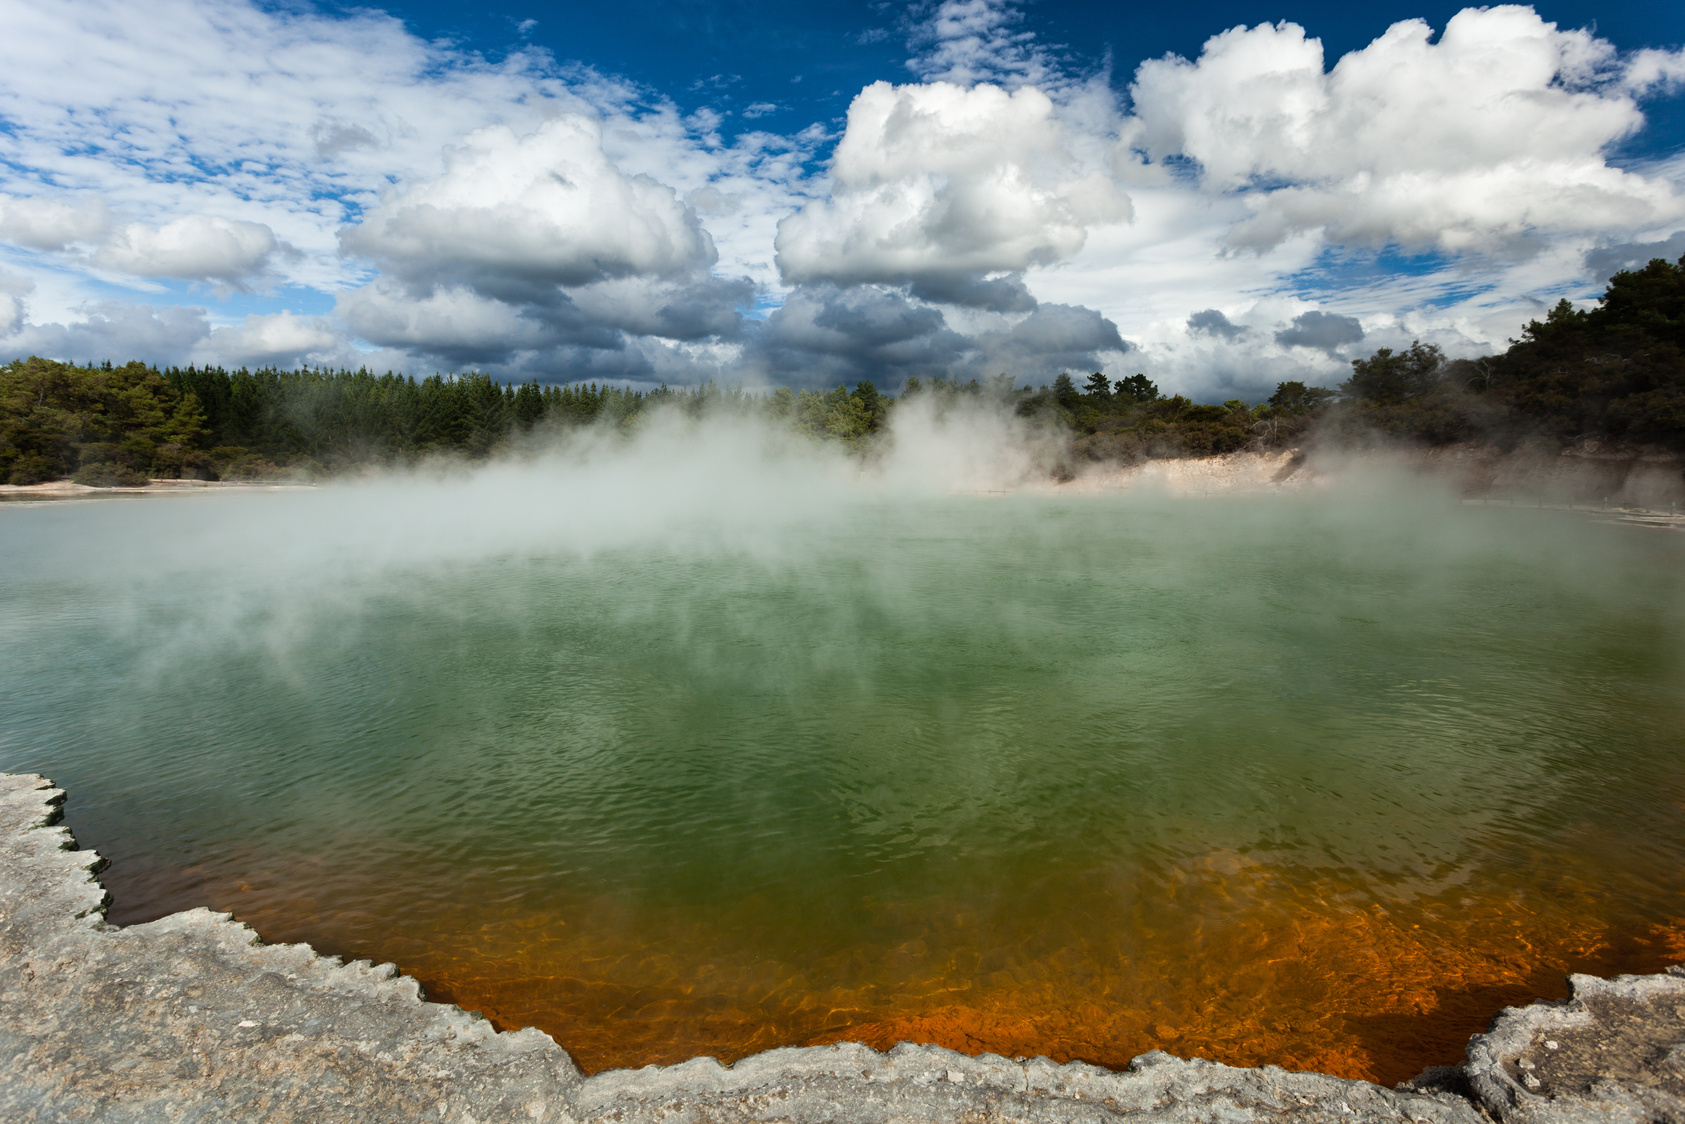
[{"x": 1615, "y": 373}]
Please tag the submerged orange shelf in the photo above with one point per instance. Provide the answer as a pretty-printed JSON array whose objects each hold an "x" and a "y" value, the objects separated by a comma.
[{"x": 1228, "y": 959}]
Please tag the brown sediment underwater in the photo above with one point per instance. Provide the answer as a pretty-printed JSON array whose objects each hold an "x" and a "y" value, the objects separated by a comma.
[{"x": 1226, "y": 957}]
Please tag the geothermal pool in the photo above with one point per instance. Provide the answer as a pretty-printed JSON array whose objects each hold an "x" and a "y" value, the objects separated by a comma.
[{"x": 1317, "y": 781}]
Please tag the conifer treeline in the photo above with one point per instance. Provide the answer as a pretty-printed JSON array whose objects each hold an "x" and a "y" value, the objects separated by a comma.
[
  {"x": 110, "y": 425},
  {"x": 1615, "y": 372}
]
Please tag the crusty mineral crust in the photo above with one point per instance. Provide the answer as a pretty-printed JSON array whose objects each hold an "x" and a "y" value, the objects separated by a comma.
[
  {"x": 192, "y": 1018},
  {"x": 1613, "y": 1052}
]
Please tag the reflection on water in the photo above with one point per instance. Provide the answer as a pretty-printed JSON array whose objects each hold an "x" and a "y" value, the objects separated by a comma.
[{"x": 1323, "y": 784}]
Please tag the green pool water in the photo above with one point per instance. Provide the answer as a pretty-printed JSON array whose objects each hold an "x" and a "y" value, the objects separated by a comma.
[{"x": 676, "y": 769}]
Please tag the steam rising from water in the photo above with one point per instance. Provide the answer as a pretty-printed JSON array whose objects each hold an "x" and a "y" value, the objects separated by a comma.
[
  {"x": 708, "y": 739},
  {"x": 729, "y": 482}
]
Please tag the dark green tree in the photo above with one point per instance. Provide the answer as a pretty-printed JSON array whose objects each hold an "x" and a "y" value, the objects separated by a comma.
[
  {"x": 1137, "y": 388},
  {"x": 1065, "y": 392},
  {"x": 1297, "y": 398},
  {"x": 529, "y": 405},
  {"x": 875, "y": 405},
  {"x": 1388, "y": 378}
]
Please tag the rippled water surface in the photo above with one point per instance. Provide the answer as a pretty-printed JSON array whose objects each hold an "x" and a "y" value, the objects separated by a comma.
[{"x": 1315, "y": 781}]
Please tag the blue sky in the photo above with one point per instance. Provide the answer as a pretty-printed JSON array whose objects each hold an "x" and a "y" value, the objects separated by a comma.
[
  {"x": 1221, "y": 196},
  {"x": 811, "y": 59}
]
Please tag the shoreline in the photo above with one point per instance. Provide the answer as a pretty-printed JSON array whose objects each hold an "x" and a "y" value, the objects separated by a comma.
[
  {"x": 69, "y": 489},
  {"x": 1570, "y": 477},
  {"x": 1588, "y": 477},
  {"x": 192, "y": 1017}
]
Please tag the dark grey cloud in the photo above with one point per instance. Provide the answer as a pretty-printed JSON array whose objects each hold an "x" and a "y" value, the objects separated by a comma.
[
  {"x": 1213, "y": 323},
  {"x": 822, "y": 336},
  {"x": 639, "y": 359},
  {"x": 462, "y": 326},
  {"x": 1053, "y": 338},
  {"x": 999, "y": 294},
  {"x": 1606, "y": 261},
  {"x": 697, "y": 307},
  {"x": 827, "y": 334},
  {"x": 1325, "y": 331},
  {"x": 876, "y": 317}
]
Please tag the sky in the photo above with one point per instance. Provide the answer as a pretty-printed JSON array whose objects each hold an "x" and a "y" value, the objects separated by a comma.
[{"x": 671, "y": 191}]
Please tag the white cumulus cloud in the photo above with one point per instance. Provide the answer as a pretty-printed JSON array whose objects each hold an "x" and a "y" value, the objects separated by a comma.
[
  {"x": 1495, "y": 131},
  {"x": 548, "y": 208},
  {"x": 536, "y": 242},
  {"x": 276, "y": 340},
  {"x": 52, "y": 224},
  {"x": 191, "y": 248},
  {"x": 938, "y": 185}
]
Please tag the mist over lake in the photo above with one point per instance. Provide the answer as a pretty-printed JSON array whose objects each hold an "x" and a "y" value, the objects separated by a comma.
[{"x": 714, "y": 746}]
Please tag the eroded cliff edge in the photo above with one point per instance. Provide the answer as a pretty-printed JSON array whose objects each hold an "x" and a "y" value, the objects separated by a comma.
[{"x": 191, "y": 1018}]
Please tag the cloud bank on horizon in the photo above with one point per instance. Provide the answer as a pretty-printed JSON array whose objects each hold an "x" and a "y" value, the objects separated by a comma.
[{"x": 214, "y": 181}]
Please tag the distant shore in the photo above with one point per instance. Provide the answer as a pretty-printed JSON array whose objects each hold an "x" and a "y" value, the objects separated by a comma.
[
  {"x": 65, "y": 489},
  {"x": 1580, "y": 476},
  {"x": 1585, "y": 476}
]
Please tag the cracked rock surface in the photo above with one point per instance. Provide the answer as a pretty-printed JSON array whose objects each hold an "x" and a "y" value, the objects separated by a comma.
[{"x": 193, "y": 1018}]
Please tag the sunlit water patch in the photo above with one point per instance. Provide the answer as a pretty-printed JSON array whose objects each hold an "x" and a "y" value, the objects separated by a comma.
[{"x": 1322, "y": 782}]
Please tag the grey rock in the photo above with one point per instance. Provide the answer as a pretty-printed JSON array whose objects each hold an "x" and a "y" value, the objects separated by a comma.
[
  {"x": 193, "y": 1018},
  {"x": 1612, "y": 1053}
]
